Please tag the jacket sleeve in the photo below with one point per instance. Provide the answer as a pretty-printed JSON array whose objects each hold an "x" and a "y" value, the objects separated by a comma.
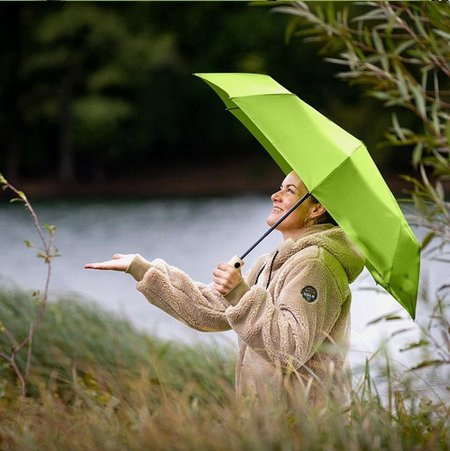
[
  {"x": 288, "y": 330},
  {"x": 195, "y": 304}
]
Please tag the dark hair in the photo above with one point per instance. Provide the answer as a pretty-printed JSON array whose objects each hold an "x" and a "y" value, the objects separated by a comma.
[{"x": 326, "y": 218}]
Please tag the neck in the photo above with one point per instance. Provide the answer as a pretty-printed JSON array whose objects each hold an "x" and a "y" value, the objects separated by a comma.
[{"x": 304, "y": 231}]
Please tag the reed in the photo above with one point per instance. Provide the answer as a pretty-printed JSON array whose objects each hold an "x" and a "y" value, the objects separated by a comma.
[{"x": 99, "y": 384}]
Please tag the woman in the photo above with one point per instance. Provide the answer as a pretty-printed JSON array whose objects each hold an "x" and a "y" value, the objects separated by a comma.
[{"x": 291, "y": 312}]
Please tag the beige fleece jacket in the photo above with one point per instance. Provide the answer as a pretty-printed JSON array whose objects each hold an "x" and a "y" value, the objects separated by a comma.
[{"x": 291, "y": 314}]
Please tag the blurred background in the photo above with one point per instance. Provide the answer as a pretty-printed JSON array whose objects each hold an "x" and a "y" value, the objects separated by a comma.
[{"x": 99, "y": 98}]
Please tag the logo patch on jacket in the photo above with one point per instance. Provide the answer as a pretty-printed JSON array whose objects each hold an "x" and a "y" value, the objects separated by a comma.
[{"x": 309, "y": 293}]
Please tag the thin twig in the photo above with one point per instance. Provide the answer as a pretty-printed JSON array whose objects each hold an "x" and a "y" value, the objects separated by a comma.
[{"x": 48, "y": 255}]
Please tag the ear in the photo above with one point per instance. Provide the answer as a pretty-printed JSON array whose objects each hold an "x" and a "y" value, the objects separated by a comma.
[{"x": 316, "y": 211}]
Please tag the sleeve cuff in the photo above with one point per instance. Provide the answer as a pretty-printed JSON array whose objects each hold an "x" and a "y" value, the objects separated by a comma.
[
  {"x": 235, "y": 295},
  {"x": 138, "y": 267}
]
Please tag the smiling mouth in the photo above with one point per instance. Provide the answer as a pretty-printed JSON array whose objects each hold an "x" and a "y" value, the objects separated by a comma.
[{"x": 277, "y": 210}]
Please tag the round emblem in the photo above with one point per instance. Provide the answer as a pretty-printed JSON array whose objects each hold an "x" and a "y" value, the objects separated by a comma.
[{"x": 309, "y": 294}]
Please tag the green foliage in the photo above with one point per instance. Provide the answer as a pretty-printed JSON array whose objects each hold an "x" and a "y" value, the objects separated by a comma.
[
  {"x": 78, "y": 341},
  {"x": 399, "y": 51},
  {"x": 100, "y": 384},
  {"x": 111, "y": 85}
]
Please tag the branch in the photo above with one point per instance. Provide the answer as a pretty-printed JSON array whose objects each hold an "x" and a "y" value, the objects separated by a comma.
[{"x": 48, "y": 254}]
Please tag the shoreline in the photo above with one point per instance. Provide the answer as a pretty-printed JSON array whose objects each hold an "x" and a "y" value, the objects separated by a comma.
[{"x": 203, "y": 180}]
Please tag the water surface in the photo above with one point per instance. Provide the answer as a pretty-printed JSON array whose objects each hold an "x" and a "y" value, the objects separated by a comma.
[{"x": 193, "y": 235}]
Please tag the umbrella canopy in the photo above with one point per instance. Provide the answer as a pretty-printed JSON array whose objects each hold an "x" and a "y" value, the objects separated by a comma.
[{"x": 336, "y": 168}]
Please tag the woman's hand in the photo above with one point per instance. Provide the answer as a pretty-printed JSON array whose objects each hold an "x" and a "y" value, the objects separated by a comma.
[
  {"x": 119, "y": 262},
  {"x": 225, "y": 278}
]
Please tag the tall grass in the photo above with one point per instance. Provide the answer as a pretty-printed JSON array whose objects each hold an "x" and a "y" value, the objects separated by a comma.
[{"x": 99, "y": 384}]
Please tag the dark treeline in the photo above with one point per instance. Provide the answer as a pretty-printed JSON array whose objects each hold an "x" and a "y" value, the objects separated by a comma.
[{"x": 94, "y": 90}]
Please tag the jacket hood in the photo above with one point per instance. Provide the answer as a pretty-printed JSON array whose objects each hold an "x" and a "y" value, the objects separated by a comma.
[{"x": 331, "y": 238}]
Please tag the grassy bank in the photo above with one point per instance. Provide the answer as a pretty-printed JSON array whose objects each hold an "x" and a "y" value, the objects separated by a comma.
[{"x": 96, "y": 383}]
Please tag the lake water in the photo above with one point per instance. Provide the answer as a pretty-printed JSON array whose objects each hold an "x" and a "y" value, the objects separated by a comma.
[{"x": 193, "y": 235}]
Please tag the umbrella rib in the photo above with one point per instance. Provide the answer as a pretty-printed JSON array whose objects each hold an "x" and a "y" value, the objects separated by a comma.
[
  {"x": 339, "y": 165},
  {"x": 256, "y": 95}
]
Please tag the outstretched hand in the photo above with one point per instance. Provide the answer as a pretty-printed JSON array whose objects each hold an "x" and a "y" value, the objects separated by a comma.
[
  {"x": 119, "y": 262},
  {"x": 225, "y": 278}
]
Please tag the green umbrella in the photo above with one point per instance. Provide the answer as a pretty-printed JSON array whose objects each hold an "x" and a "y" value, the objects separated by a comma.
[{"x": 337, "y": 170}]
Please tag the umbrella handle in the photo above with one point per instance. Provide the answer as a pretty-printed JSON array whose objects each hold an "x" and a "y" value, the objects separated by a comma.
[{"x": 236, "y": 262}]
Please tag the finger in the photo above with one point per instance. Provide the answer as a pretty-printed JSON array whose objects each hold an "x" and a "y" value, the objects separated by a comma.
[
  {"x": 225, "y": 267},
  {"x": 228, "y": 269},
  {"x": 100, "y": 265},
  {"x": 92, "y": 266},
  {"x": 225, "y": 283},
  {"x": 221, "y": 289},
  {"x": 220, "y": 280},
  {"x": 221, "y": 273}
]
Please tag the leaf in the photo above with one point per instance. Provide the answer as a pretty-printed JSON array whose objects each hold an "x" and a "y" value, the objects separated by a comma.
[
  {"x": 420, "y": 28},
  {"x": 429, "y": 236},
  {"x": 28, "y": 244},
  {"x": 393, "y": 316},
  {"x": 439, "y": 189},
  {"x": 380, "y": 95},
  {"x": 374, "y": 14},
  {"x": 337, "y": 61},
  {"x": 445, "y": 163},
  {"x": 380, "y": 48},
  {"x": 417, "y": 154},
  {"x": 414, "y": 345},
  {"x": 435, "y": 107},
  {"x": 330, "y": 12},
  {"x": 419, "y": 100},
  {"x": 402, "y": 47},
  {"x": 367, "y": 37},
  {"x": 51, "y": 229},
  {"x": 55, "y": 253},
  {"x": 401, "y": 331},
  {"x": 3, "y": 181},
  {"x": 442, "y": 33},
  {"x": 401, "y": 84},
  {"x": 290, "y": 30},
  {"x": 397, "y": 127},
  {"x": 447, "y": 131},
  {"x": 44, "y": 257},
  {"x": 424, "y": 80},
  {"x": 427, "y": 363}
]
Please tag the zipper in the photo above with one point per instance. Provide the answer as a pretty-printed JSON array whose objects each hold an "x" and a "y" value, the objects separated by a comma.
[{"x": 270, "y": 271}]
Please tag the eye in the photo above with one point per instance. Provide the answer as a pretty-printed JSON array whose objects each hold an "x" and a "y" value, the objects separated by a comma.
[{"x": 290, "y": 190}]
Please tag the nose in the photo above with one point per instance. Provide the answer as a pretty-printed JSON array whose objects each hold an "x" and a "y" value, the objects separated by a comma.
[{"x": 275, "y": 196}]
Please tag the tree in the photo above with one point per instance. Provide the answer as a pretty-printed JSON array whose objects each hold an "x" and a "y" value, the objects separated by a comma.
[
  {"x": 12, "y": 85},
  {"x": 73, "y": 65},
  {"x": 399, "y": 52}
]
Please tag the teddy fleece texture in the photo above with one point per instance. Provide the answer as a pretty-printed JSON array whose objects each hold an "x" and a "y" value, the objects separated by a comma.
[{"x": 291, "y": 313}]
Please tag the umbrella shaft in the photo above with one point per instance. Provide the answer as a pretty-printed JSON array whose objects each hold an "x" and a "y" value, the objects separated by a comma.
[{"x": 294, "y": 207}]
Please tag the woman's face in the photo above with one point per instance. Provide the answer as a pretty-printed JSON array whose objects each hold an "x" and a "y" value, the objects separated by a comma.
[{"x": 291, "y": 190}]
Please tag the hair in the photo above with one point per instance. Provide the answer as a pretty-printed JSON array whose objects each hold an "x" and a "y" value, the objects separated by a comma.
[{"x": 326, "y": 218}]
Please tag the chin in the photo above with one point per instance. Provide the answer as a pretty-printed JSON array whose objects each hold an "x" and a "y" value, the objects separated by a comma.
[{"x": 271, "y": 221}]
